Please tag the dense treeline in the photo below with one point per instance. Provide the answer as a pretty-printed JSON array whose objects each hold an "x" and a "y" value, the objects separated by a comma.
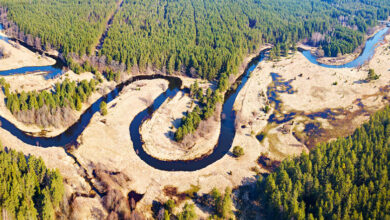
[
  {"x": 28, "y": 190},
  {"x": 344, "y": 179},
  {"x": 219, "y": 33},
  {"x": 333, "y": 47},
  {"x": 66, "y": 95},
  {"x": 205, "y": 38},
  {"x": 203, "y": 110},
  {"x": 70, "y": 26},
  {"x": 112, "y": 71}
]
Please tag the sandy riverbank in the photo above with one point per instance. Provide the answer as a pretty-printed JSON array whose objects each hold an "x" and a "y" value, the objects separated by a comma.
[
  {"x": 252, "y": 119},
  {"x": 319, "y": 88},
  {"x": 109, "y": 145},
  {"x": 158, "y": 132},
  {"x": 20, "y": 56},
  {"x": 315, "y": 89},
  {"x": 345, "y": 58}
]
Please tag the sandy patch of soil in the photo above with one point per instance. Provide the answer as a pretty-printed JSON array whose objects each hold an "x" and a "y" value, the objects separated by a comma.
[
  {"x": 320, "y": 88},
  {"x": 158, "y": 132},
  {"x": 187, "y": 82},
  {"x": 106, "y": 143},
  {"x": 36, "y": 81},
  {"x": 341, "y": 59},
  {"x": 252, "y": 119},
  {"x": 20, "y": 56},
  {"x": 88, "y": 208},
  {"x": 316, "y": 89}
]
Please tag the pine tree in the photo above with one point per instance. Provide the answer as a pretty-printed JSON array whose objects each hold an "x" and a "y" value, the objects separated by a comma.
[
  {"x": 47, "y": 206},
  {"x": 103, "y": 108},
  {"x": 79, "y": 104}
]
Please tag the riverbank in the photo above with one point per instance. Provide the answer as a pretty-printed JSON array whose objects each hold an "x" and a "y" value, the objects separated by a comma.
[
  {"x": 252, "y": 121},
  {"x": 158, "y": 132},
  {"x": 345, "y": 58},
  {"x": 323, "y": 103},
  {"x": 19, "y": 56},
  {"x": 106, "y": 143}
]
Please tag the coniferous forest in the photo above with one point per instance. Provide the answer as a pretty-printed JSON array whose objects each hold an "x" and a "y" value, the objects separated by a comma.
[
  {"x": 49, "y": 108},
  {"x": 71, "y": 26},
  {"x": 207, "y": 39},
  {"x": 28, "y": 190},
  {"x": 344, "y": 179}
]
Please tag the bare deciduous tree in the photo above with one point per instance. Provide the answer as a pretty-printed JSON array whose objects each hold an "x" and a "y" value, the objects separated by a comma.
[
  {"x": 3, "y": 54},
  {"x": 316, "y": 37},
  {"x": 30, "y": 40},
  {"x": 38, "y": 44}
]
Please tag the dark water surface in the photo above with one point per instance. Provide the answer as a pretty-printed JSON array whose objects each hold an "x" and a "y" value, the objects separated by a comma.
[
  {"x": 227, "y": 120},
  {"x": 50, "y": 71},
  {"x": 224, "y": 141}
]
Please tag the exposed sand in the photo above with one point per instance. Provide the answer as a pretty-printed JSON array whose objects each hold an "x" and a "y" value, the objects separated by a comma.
[
  {"x": 158, "y": 132},
  {"x": 252, "y": 120},
  {"x": 187, "y": 82},
  {"x": 36, "y": 81},
  {"x": 317, "y": 92},
  {"x": 108, "y": 145},
  {"x": 21, "y": 57},
  {"x": 88, "y": 208},
  {"x": 314, "y": 92}
]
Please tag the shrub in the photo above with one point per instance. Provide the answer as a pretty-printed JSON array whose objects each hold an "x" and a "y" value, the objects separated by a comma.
[
  {"x": 192, "y": 191},
  {"x": 238, "y": 151},
  {"x": 266, "y": 109},
  {"x": 261, "y": 136},
  {"x": 372, "y": 75},
  {"x": 170, "y": 206}
]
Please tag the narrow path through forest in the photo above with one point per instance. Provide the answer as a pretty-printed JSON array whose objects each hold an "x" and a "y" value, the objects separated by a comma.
[
  {"x": 196, "y": 25},
  {"x": 108, "y": 25}
]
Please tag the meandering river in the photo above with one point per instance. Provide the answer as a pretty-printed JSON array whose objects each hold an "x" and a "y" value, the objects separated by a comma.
[
  {"x": 367, "y": 53},
  {"x": 227, "y": 122}
]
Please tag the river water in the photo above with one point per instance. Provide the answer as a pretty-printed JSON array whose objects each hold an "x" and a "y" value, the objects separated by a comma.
[
  {"x": 367, "y": 53},
  {"x": 227, "y": 120},
  {"x": 50, "y": 71}
]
